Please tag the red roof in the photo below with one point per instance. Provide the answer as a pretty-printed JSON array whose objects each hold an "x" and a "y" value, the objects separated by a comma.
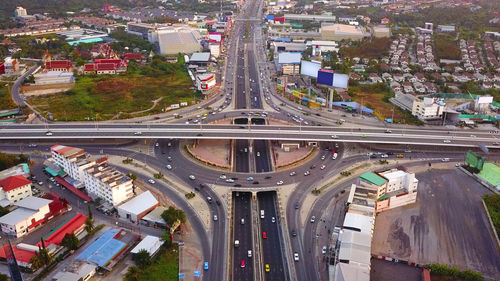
[
  {"x": 130, "y": 56},
  {"x": 88, "y": 67},
  {"x": 58, "y": 64},
  {"x": 21, "y": 255},
  {"x": 73, "y": 189},
  {"x": 68, "y": 228},
  {"x": 14, "y": 182},
  {"x": 105, "y": 66},
  {"x": 115, "y": 61}
]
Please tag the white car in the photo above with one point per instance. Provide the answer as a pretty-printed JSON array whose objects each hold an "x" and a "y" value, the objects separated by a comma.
[
  {"x": 446, "y": 141},
  {"x": 273, "y": 219},
  {"x": 335, "y": 137},
  {"x": 323, "y": 251},
  {"x": 192, "y": 177},
  {"x": 279, "y": 183},
  {"x": 229, "y": 180},
  {"x": 292, "y": 174},
  {"x": 222, "y": 177},
  {"x": 169, "y": 167},
  {"x": 157, "y": 144},
  {"x": 49, "y": 133},
  {"x": 322, "y": 167},
  {"x": 296, "y": 256},
  {"x": 138, "y": 133},
  {"x": 215, "y": 218},
  {"x": 384, "y": 155},
  {"x": 313, "y": 219},
  {"x": 151, "y": 181}
]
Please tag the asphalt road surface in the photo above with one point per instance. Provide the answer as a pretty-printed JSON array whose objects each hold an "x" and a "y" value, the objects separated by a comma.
[{"x": 242, "y": 231}]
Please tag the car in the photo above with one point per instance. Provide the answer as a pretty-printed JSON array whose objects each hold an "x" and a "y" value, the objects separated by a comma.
[
  {"x": 49, "y": 133},
  {"x": 496, "y": 143},
  {"x": 447, "y": 141},
  {"x": 237, "y": 185},
  {"x": 279, "y": 183},
  {"x": 297, "y": 205},
  {"x": 169, "y": 167},
  {"x": 267, "y": 177},
  {"x": 217, "y": 202},
  {"x": 294, "y": 233},
  {"x": 205, "y": 265},
  {"x": 267, "y": 268},
  {"x": 334, "y": 156},
  {"x": 249, "y": 253},
  {"x": 242, "y": 265},
  {"x": 264, "y": 235},
  {"x": 400, "y": 156},
  {"x": 407, "y": 151},
  {"x": 323, "y": 250},
  {"x": 363, "y": 136},
  {"x": 151, "y": 181},
  {"x": 384, "y": 155},
  {"x": 313, "y": 219},
  {"x": 322, "y": 167},
  {"x": 307, "y": 173},
  {"x": 273, "y": 219},
  {"x": 40, "y": 183},
  {"x": 222, "y": 177},
  {"x": 334, "y": 137},
  {"x": 458, "y": 165},
  {"x": 258, "y": 153},
  {"x": 215, "y": 218},
  {"x": 445, "y": 160},
  {"x": 192, "y": 177},
  {"x": 255, "y": 182},
  {"x": 242, "y": 221},
  {"x": 138, "y": 133},
  {"x": 390, "y": 153},
  {"x": 472, "y": 136},
  {"x": 157, "y": 144},
  {"x": 209, "y": 199},
  {"x": 293, "y": 173},
  {"x": 323, "y": 157},
  {"x": 229, "y": 180},
  {"x": 169, "y": 159},
  {"x": 250, "y": 179},
  {"x": 388, "y": 131},
  {"x": 312, "y": 167},
  {"x": 296, "y": 256}
]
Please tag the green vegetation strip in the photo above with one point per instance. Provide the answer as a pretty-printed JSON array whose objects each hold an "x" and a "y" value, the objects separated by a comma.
[
  {"x": 454, "y": 272},
  {"x": 492, "y": 202}
]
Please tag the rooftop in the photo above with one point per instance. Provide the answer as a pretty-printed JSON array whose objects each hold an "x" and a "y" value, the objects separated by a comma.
[
  {"x": 200, "y": 57},
  {"x": 17, "y": 216},
  {"x": 289, "y": 58},
  {"x": 149, "y": 243},
  {"x": 32, "y": 203},
  {"x": 66, "y": 151},
  {"x": 394, "y": 175},
  {"x": 14, "y": 182},
  {"x": 373, "y": 178},
  {"x": 140, "y": 203}
]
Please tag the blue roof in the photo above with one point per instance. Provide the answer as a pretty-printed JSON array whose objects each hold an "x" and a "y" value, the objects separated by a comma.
[
  {"x": 103, "y": 249},
  {"x": 90, "y": 40},
  {"x": 283, "y": 39},
  {"x": 353, "y": 105}
]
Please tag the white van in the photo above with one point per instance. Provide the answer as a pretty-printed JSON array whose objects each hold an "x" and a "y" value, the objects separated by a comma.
[
  {"x": 445, "y": 160},
  {"x": 236, "y": 243},
  {"x": 261, "y": 214}
]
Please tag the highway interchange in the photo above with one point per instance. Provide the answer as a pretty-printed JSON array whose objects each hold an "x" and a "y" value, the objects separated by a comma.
[{"x": 247, "y": 85}]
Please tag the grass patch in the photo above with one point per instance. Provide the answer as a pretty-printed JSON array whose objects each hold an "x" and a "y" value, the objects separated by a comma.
[
  {"x": 120, "y": 96},
  {"x": 371, "y": 49},
  {"x": 376, "y": 97},
  {"x": 445, "y": 47},
  {"x": 165, "y": 267},
  {"x": 6, "y": 101},
  {"x": 492, "y": 202}
]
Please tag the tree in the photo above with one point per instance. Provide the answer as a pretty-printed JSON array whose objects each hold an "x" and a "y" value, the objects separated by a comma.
[
  {"x": 89, "y": 211},
  {"x": 142, "y": 258},
  {"x": 171, "y": 215},
  {"x": 89, "y": 225},
  {"x": 166, "y": 238},
  {"x": 36, "y": 262},
  {"x": 70, "y": 241},
  {"x": 3, "y": 277},
  {"x": 133, "y": 274},
  {"x": 132, "y": 176}
]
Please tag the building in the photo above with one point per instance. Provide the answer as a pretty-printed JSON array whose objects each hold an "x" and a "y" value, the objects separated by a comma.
[
  {"x": 103, "y": 51},
  {"x": 54, "y": 77},
  {"x": 338, "y": 32},
  {"x": 384, "y": 21},
  {"x": 131, "y": 56},
  {"x": 446, "y": 28},
  {"x": 72, "y": 160},
  {"x": 200, "y": 59},
  {"x": 11, "y": 65},
  {"x": 78, "y": 270},
  {"x": 13, "y": 189},
  {"x": 314, "y": 18},
  {"x": 59, "y": 65},
  {"x": 176, "y": 40},
  {"x": 105, "y": 66},
  {"x": 137, "y": 207},
  {"x": 428, "y": 108},
  {"x": 289, "y": 63},
  {"x": 150, "y": 243},
  {"x": 154, "y": 218},
  {"x": 2, "y": 68},
  {"x": 30, "y": 213},
  {"x": 205, "y": 81},
  {"x": 20, "y": 169},
  {"x": 318, "y": 47},
  {"x": 214, "y": 50},
  {"x": 20, "y": 12},
  {"x": 112, "y": 186}
]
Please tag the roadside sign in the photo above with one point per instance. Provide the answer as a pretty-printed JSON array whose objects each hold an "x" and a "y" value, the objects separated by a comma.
[{"x": 196, "y": 273}]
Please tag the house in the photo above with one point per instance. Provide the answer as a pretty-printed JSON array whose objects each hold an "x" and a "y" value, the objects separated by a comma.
[
  {"x": 138, "y": 207},
  {"x": 398, "y": 77},
  {"x": 103, "y": 51},
  {"x": 31, "y": 212},
  {"x": 13, "y": 189},
  {"x": 387, "y": 77},
  {"x": 11, "y": 65},
  {"x": 374, "y": 78},
  {"x": 428, "y": 108},
  {"x": 59, "y": 65},
  {"x": 132, "y": 56},
  {"x": 384, "y": 21},
  {"x": 105, "y": 66}
]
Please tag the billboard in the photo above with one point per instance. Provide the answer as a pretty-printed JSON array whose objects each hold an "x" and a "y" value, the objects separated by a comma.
[
  {"x": 214, "y": 37},
  {"x": 310, "y": 68},
  {"x": 340, "y": 80},
  {"x": 325, "y": 77}
]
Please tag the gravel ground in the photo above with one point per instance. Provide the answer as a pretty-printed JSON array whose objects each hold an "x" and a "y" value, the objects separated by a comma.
[
  {"x": 390, "y": 271},
  {"x": 447, "y": 225}
]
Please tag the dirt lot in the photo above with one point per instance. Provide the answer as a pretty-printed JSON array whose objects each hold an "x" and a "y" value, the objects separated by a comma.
[{"x": 447, "y": 225}]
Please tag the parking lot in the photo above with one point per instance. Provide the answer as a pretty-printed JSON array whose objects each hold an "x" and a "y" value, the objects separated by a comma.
[{"x": 447, "y": 225}]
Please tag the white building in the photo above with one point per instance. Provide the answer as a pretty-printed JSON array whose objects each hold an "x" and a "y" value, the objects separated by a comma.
[
  {"x": 428, "y": 108},
  {"x": 136, "y": 208},
  {"x": 20, "y": 11},
  {"x": 72, "y": 160},
  {"x": 205, "y": 81},
  {"x": 214, "y": 50},
  {"x": 31, "y": 212},
  {"x": 289, "y": 63},
  {"x": 78, "y": 270},
  {"x": 13, "y": 189},
  {"x": 150, "y": 243},
  {"x": 11, "y": 65},
  {"x": 54, "y": 77},
  {"x": 102, "y": 181}
]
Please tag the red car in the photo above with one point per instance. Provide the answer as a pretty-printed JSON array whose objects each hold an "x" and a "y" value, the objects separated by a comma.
[
  {"x": 264, "y": 235},
  {"x": 242, "y": 263}
]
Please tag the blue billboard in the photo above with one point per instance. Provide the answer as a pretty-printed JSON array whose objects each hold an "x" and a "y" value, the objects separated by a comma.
[{"x": 325, "y": 77}]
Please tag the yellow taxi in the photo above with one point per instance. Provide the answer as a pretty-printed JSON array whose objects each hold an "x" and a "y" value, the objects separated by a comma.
[{"x": 267, "y": 268}]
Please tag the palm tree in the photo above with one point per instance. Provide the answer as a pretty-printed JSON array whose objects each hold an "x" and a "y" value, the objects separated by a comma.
[
  {"x": 133, "y": 274},
  {"x": 36, "y": 262},
  {"x": 89, "y": 225}
]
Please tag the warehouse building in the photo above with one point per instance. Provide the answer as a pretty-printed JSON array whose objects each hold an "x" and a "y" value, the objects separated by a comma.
[
  {"x": 178, "y": 40},
  {"x": 338, "y": 32},
  {"x": 136, "y": 208},
  {"x": 54, "y": 77},
  {"x": 30, "y": 213}
]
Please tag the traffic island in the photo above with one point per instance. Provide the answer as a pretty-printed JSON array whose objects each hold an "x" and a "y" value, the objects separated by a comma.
[
  {"x": 284, "y": 159},
  {"x": 214, "y": 153}
]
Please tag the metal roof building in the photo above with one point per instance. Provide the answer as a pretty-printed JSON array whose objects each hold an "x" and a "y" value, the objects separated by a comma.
[
  {"x": 289, "y": 58},
  {"x": 138, "y": 207},
  {"x": 150, "y": 243},
  {"x": 179, "y": 40}
]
